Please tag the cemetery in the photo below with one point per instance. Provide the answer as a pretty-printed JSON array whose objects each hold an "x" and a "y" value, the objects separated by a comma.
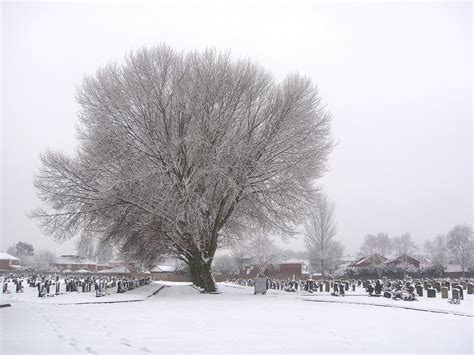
[{"x": 108, "y": 309}]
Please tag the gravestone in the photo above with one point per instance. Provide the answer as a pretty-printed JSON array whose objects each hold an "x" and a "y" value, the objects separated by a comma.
[
  {"x": 470, "y": 288},
  {"x": 387, "y": 294},
  {"x": 431, "y": 293},
  {"x": 342, "y": 289},
  {"x": 447, "y": 284},
  {"x": 353, "y": 287},
  {"x": 437, "y": 286},
  {"x": 444, "y": 292},
  {"x": 461, "y": 292},
  {"x": 455, "y": 294},
  {"x": 5, "y": 287},
  {"x": 346, "y": 286},
  {"x": 419, "y": 290},
  {"x": 464, "y": 285},
  {"x": 326, "y": 286}
]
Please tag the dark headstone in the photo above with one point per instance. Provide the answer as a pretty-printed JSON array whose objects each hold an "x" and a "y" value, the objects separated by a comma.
[
  {"x": 431, "y": 293},
  {"x": 419, "y": 290}
]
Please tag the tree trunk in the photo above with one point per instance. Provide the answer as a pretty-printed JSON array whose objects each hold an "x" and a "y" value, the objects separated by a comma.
[{"x": 201, "y": 275}]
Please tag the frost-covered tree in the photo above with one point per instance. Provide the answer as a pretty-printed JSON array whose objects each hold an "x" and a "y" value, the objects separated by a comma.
[
  {"x": 404, "y": 246},
  {"x": 23, "y": 251},
  {"x": 460, "y": 243},
  {"x": 44, "y": 258},
  {"x": 380, "y": 244},
  {"x": 240, "y": 255},
  {"x": 320, "y": 229},
  {"x": 263, "y": 251},
  {"x": 225, "y": 265},
  {"x": 438, "y": 253},
  {"x": 178, "y": 151},
  {"x": 85, "y": 246}
]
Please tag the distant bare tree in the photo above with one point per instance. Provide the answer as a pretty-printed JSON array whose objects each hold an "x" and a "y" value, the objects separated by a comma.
[
  {"x": 225, "y": 265},
  {"x": 85, "y": 246},
  {"x": 23, "y": 251},
  {"x": 178, "y": 151},
  {"x": 460, "y": 243},
  {"x": 44, "y": 258},
  {"x": 240, "y": 255},
  {"x": 320, "y": 229},
  {"x": 404, "y": 245},
  {"x": 376, "y": 244},
  {"x": 438, "y": 252},
  {"x": 263, "y": 251}
]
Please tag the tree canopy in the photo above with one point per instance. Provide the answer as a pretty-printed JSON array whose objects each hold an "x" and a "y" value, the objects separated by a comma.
[{"x": 178, "y": 151}]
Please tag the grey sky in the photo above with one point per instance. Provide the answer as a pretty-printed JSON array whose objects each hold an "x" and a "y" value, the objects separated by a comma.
[{"x": 397, "y": 78}]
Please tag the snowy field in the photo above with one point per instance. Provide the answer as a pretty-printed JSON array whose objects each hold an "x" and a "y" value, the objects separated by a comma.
[{"x": 178, "y": 319}]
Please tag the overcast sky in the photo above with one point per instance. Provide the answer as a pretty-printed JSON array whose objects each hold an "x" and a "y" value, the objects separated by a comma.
[{"x": 396, "y": 77}]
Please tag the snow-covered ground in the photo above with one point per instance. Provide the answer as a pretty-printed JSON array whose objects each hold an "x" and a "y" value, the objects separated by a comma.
[{"x": 180, "y": 319}]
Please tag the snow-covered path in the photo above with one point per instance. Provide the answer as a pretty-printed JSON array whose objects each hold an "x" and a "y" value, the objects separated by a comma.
[{"x": 179, "y": 319}]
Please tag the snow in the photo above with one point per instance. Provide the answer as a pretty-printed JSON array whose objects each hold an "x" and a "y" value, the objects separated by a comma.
[
  {"x": 6, "y": 256},
  {"x": 180, "y": 319}
]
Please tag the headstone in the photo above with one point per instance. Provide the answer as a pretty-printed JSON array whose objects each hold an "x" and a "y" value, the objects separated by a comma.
[
  {"x": 346, "y": 286},
  {"x": 464, "y": 285},
  {"x": 444, "y": 292},
  {"x": 419, "y": 290},
  {"x": 461, "y": 292},
  {"x": 5, "y": 287},
  {"x": 341, "y": 289},
  {"x": 326, "y": 286},
  {"x": 470, "y": 288},
  {"x": 387, "y": 294},
  {"x": 447, "y": 284},
  {"x": 455, "y": 294},
  {"x": 431, "y": 293},
  {"x": 437, "y": 286}
]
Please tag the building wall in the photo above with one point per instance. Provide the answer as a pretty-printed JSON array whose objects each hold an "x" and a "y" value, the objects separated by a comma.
[
  {"x": 5, "y": 264},
  {"x": 295, "y": 269}
]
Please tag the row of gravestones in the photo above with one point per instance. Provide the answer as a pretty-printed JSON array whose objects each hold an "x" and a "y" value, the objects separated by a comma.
[
  {"x": 337, "y": 287},
  {"x": 396, "y": 289},
  {"x": 48, "y": 286}
]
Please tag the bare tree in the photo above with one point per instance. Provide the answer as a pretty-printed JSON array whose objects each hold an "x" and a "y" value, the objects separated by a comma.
[
  {"x": 240, "y": 255},
  {"x": 438, "y": 252},
  {"x": 376, "y": 244},
  {"x": 263, "y": 251},
  {"x": 225, "y": 265},
  {"x": 23, "y": 251},
  {"x": 85, "y": 246},
  {"x": 44, "y": 259},
  {"x": 404, "y": 247},
  {"x": 178, "y": 151},
  {"x": 461, "y": 245},
  {"x": 320, "y": 230}
]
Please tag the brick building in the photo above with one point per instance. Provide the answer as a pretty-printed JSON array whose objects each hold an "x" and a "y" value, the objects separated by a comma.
[
  {"x": 8, "y": 262},
  {"x": 74, "y": 263}
]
